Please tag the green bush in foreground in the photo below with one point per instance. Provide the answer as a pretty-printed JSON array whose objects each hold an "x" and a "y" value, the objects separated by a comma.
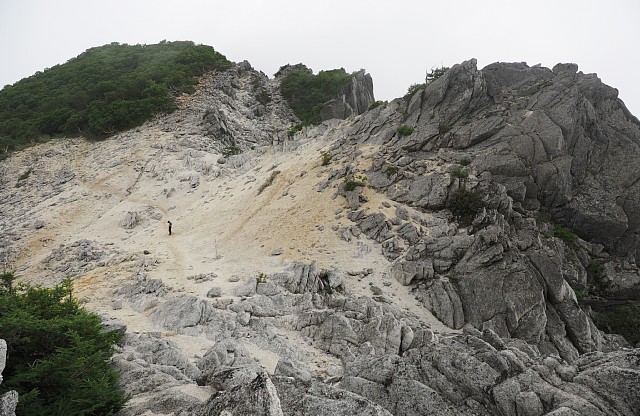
[{"x": 57, "y": 354}]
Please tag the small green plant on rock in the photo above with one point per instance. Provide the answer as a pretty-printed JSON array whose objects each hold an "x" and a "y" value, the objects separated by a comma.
[
  {"x": 351, "y": 182},
  {"x": 375, "y": 104},
  {"x": 580, "y": 294},
  {"x": 405, "y": 130},
  {"x": 231, "y": 150},
  {"x": 465, "y": 161},
  {"x": 294, "y": 129},
  {"x": 444, "y": 128},
  {"x": 565, "y": 234},
  {"x": 459, "y": 173},
  {"x": 391, "y": 170},
  {"x": 412, "y": 90},
  {"x": 326, "y": 158}
]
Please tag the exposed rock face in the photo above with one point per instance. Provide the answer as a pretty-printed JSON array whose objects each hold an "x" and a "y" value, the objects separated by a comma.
[
  {"x": 296, "y": 334},
  {"x": 534, "y": 140},
  {"x": 548, "y": 136},
  {"x": 238, "y": 109},
  {"x": 354, "y": 99},
  {"x": 471, "y": 373}
]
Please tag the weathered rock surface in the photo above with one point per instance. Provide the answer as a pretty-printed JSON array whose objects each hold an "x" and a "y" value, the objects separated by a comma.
[
  {"x": 541, "y": 147},
  {"x": 354, "y": 99}
]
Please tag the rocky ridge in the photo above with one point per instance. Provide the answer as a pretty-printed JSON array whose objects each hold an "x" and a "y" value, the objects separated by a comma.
[{"x": 312, "y": 289}]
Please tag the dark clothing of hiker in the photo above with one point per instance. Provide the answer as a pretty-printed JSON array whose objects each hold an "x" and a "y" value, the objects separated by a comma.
[{"x": 169, "y": 227}]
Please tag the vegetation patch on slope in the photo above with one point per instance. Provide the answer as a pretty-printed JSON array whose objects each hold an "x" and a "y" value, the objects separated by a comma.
[
  {"x": 102, "y": 91},
  {"x": 623, "y": 319},
  {"x": 57, "y": 353},
  {"x": 307, "y": 93}
]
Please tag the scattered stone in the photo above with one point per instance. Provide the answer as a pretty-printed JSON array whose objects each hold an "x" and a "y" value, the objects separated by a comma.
[
  {"x": 214, "y": 292},
  {"x": 202, "y": 277},
  {"x": 130, "y": 221}
]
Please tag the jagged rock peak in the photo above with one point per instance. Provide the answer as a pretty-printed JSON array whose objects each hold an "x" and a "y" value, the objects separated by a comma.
[
  {"x": 567, "y": 144},
  {"x": 354, "y": 99}
]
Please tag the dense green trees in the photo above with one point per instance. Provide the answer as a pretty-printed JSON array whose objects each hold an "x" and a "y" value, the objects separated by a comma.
[
  {"x": 58, "y": 354},
  {"x": 307, "y": 93},
  {"x": 102, "y": 91}
]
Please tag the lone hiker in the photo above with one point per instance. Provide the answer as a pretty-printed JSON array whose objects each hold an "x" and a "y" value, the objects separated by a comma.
[{"x": 169, "y": 227}]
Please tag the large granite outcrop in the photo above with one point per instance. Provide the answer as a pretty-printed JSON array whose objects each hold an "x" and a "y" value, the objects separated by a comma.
[
  {"x": 390, "y": 365},
  {"x": 559, "y": 141},
  {"x": 354, "y": 99},
  {"x": 543, "y": 149}
]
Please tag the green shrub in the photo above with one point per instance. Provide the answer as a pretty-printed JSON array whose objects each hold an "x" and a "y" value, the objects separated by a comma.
[
  {"x": 58, "y": 354},
  {"x": 102, "y": 91},
  {"x": 326, "y": 158},
  {"x": 464, "y": 205},
  {"x": 375, "y": 104},
  {"x": 459, "y": 173},
  {"x": 294, "y": 129},
  {"x": 7, "y": 279},
  {"x": 565, "y": 234},
  {"x": 465, "y": 161},
  {"x": 542, "y": 218},
  {"x": 231, "y": 150},
  {"x": 391, "y": 170},
  {"x": 443, "y": 128},
  {"x": 436, "y": 73},
  {"x": 412, "y": 90},
  {"x": 306, "y": 93},
  {"x": 351, "y": 183},
  {"x": 580, "y": 294},
  {"x": 405, "y": 130},
  {"x": 261, "y": 278},
  {"x": 623, "y": 320}
]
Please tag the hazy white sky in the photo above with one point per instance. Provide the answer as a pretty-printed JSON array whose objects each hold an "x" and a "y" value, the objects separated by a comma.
[{"x": 396, "y": 41}]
